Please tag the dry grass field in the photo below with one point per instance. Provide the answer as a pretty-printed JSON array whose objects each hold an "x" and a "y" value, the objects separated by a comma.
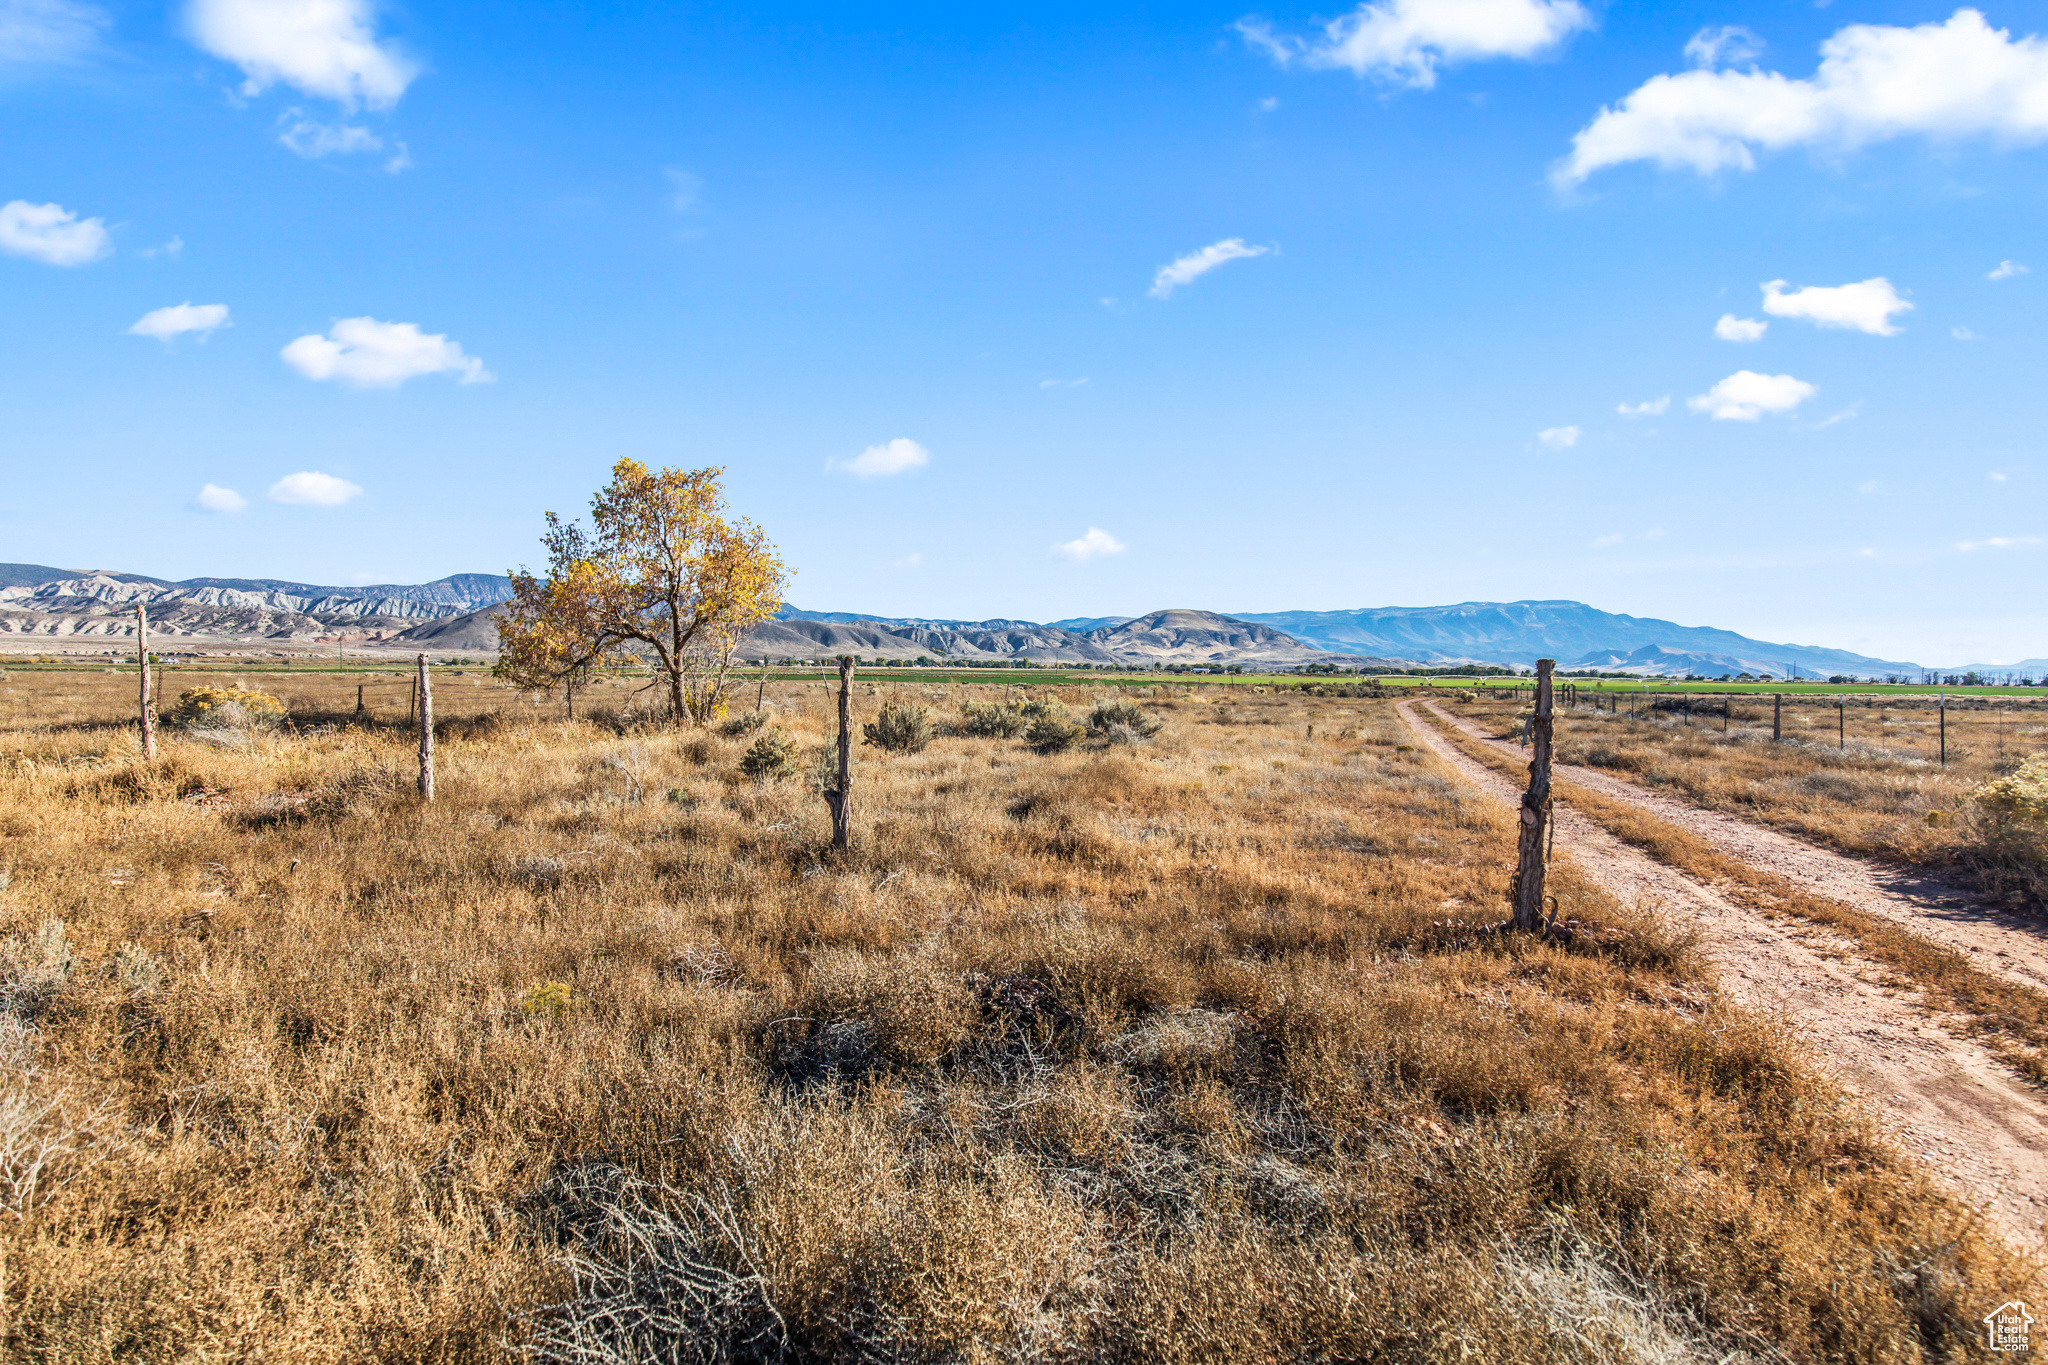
[
  {"x": 1186, "y": 1049},
  {"x": 1866, "y": 779}
]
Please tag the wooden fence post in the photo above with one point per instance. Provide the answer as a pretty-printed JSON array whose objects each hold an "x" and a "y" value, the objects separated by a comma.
[
  {"x": 1777, "y": 716},
  {"x": 1943, "y": 707},
  {"x": 840, "y": 798},
  {"x": 426, "y": 692},
  {"x": 1527, "y": 887},
  {"x": 148, "y": 709}
]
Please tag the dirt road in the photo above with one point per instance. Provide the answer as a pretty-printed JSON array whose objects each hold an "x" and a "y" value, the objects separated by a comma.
[{"x": 1979, "y": 1128}]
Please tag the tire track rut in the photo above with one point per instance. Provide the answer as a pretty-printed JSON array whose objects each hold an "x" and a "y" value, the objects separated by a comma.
[{"x": 1976, "y": 1126}]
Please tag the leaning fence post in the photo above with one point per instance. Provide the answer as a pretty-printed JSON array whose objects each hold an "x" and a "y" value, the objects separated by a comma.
[
  {"x": 426, "y": 691},
  {"x": 840, "y": 798},
  {"x": 1527, "y": 887},
  {"x": 142, "y": 666}
]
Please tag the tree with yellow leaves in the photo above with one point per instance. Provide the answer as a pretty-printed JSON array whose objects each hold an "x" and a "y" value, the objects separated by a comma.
[{"x": 661, "y": 577}]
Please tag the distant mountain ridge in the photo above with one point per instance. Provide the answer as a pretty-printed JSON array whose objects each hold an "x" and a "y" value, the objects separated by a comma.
[
  {"x": 1576, "y": 635},
  {"x": 456, "y": 613}
]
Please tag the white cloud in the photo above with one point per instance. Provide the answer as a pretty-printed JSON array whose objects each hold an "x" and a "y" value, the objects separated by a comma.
[
  {"x": 170, "y": 250},
  {"x": 1866, "y": 306},
  {"x": 1996, "y": 477},
  {"x": 1649, "y": 407},
  {"x": 179, "y": 318},
  {"x": 1845, "y": 415},
  {"x": 684, "y": 189},
  {"x": 1868, "y": 488},
  {"x": 1603, "y": 542},
  {"x": 1875, "y": 82},
  {"x": 1061, "y": 383},
  {"x": 51, "y": 234},
  {"x": 1962, "y": 334},
  {"x": 311, "y": 138},
  {"x": 1732, "y": 328},
  {"x": 1404, "y": 41},
  {"x": 913, "y": 560},
  {"x": 1746, "y": 395},
  {"x": 310, "y": 488},
  {"x": 2005, "y": 270},
  {"x": 214, "y": 498},
  {"x": 381, "y": 355},
  {"x": 48, "y": 30},
  {"x": 1997, "y": 543},
  {"x": 878, "y": 462},
  {"x": 1727, "y": 45},
  {"x": 1096, "y": 542},
  {"x": 1269, "y": 104},
  {"x": 327, "y": 48},
  {"x": 1194, "y": 265},
  {"x": 1559, "y": 438}
]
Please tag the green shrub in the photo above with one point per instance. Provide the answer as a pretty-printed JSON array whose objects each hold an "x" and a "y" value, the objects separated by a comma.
[
  {"x": 745, "y": 723},
  {"x": 1054, "y": 733},
  {"x": 1122, "y": 722},
  {"x": 991, "y": 720},
  {"x": 771, "y": 755},
  {"x": 901, "y": 728}
]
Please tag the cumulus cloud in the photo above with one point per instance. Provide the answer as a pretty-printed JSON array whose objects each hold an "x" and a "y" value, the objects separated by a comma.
[
  {"x": 1876, "y": 82},
  {"x": 381, "y": 355},
  {"x": 879, "y": 462},
  {"x": 1559, "y": 438},
  {"x": 1404, "y": 41},
  {"x": 1650, "y": 407},
  {"x": 311, "y": 488},
  {"x": 2005, "y": 270},
  {"x": 1727, "y": 45},
  {"x": 180, "y": 318},
  {"x": 327, "y": 48},
  {"x": 214, "y": 498},
  {"x": 48, "y": 31},
  {"x": 1732, "y": 328},
  {"x": 51, "y": 234},
  {"x": 1866, "y": 306},
  {"x": 1746, "y": 395},
  {"x": 1196, "y": 264},
  {"x": 313, "y": 139},
  {"x": 1096, "y": 543}
]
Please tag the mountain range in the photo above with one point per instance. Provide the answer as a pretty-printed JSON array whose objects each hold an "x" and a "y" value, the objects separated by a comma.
[{"x": 39, "y": 603}]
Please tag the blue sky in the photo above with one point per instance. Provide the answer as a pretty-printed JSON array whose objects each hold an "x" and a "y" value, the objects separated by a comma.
[{"x": 910, "y": 274}]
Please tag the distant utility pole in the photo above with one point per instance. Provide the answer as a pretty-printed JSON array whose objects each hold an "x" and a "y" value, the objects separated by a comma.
[
  {"x": 1527, "y": 888},
  {"x": 142, "y": 668}
]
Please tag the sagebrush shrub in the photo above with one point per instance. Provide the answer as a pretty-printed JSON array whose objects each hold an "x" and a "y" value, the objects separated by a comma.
[
  {"x": 771, "y": 755},
  {"x": 901, "y": 728},
  {"x": 991, "y": 720},
  {"x": 745, "y": 723},
  {"x": 1123, "y": 721},
  {"x": 1054, "y": 733}
]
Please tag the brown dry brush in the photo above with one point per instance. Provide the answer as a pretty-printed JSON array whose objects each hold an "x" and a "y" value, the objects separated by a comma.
[{"x": 1187, "y": 1050}]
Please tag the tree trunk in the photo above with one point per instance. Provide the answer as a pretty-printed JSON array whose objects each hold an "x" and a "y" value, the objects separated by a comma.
[
  {"x": 841, "y": 798},
  {"x": 1527, "y": 888},
  {"x": 426, "y": 690},
  {"x": 148, "y": 710}
]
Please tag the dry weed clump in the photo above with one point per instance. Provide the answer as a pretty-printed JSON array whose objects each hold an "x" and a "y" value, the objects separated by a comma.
[{"x": 1102, "y": 1053}]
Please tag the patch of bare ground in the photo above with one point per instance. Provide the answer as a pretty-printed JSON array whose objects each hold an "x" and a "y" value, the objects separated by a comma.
[{"x": 1937, "y": 1089}]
